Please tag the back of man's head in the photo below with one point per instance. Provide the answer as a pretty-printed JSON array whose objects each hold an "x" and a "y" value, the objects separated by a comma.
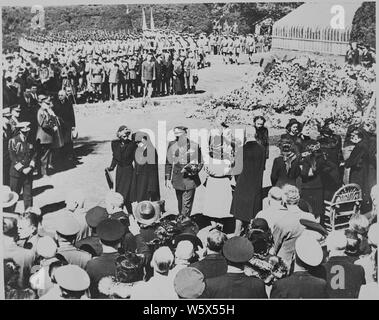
[
  {"x": 184, "y": 250},
  {"x": 336, "y": 241},
  {"x": 216, "y": 240},
  {"x": 162, "y": 260},
  {"x": 75, "y": 200},
  {"x": 114, "y": 201},
  {"x": 291, "y": 195},
  {"x": 275, "y": 195}
]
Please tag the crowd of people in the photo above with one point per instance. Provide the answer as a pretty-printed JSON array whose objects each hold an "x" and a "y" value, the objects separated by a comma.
[
  {"x": 243, "y": 244},
  {"x": 246, "y": 241},
  {"x": 98, "y": 65},
  {"x": 359, "y": 54}
]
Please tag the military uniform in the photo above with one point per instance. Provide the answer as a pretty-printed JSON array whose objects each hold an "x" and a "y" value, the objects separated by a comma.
[
  {"x": 184, "y": 184},
  {"x": 22, "y": 155}
]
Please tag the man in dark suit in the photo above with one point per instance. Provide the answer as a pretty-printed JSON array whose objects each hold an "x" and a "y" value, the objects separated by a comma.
[
  {"x": 9, "y": 93},
  {"x": 214, "y": 263},
  {"x": 301, "y": 284},
  {"x": 183, "y": 163},
  {"x": 235, "y": 284},
  {"x": 64, "y": 110},
  {"x": 344, "y": 278},
  {"x": 22, "y": 156}
]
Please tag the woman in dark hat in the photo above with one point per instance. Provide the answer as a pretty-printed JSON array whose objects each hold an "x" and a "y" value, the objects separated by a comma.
[
  {"x": 358, "y": 162},
  {"x": 293, "y": 129},
  {"x": 262, "y": 133},
  {"x": 145, "y": 180},
  {"x": 285, "y": 168},
  {"x": 123, "y": 155}
]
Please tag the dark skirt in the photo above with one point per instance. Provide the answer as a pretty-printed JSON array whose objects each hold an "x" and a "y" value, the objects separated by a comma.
[
  {"x": 124, "y": 177},
  {"x": 145, "y": 187},
  {"x": 315, "y": 197}
]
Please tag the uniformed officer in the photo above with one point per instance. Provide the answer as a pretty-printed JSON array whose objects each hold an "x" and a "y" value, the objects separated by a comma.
[
  {"x": 67, "y": 228},
  {"x": 73, "y": 282},
  {"x": 15, "y": 114},
  {"x": 183, "y": 163},
  {"x": 22, "y": 155},
  {"x": 92, "y": 244}
]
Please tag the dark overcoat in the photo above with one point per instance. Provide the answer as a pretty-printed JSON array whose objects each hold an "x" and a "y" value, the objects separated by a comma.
[
  {"x": 234, "y": 286},
  {"x": 145, "y": 180},
  {"x": 123, "y": 158},
  {"x": 299, "y": 285},
  {"x": 65, "y": 112},
  {"x": 247, "y": 197},
  {"x": 358, "y": 162}
]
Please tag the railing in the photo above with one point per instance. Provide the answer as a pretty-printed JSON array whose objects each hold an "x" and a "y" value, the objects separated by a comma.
[{"x": 327, "y": 40}]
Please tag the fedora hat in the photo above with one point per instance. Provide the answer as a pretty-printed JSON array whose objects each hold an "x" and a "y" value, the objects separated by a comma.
[
  {"x": 146, "y": 213},
  {"x": 8, "y": 197}
]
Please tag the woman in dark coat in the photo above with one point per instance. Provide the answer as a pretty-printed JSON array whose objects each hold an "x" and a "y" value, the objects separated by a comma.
[
  {"x": 285, "y": 168},
  {"x": 247, "y": 196},
  {"x": 358, "y": 162},
  {"x": 123, "y": 151},
  {"x": 262, "y": 133},
  {"x": 331, "y": 147},
  {"x": 312, "y": 165},
  {"x": 145, "y": 180}
]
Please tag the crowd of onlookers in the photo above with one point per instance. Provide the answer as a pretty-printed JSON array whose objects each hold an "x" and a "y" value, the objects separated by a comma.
[
  {"x": 277, "y": 247},
  {"x": 102, "y": 252}
]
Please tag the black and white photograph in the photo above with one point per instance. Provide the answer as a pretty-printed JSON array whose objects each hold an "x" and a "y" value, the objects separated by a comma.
[{"x": 163, "y": 150}]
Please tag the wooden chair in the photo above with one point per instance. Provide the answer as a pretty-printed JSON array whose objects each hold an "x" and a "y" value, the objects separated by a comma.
[{"x": 345, "y": 202}]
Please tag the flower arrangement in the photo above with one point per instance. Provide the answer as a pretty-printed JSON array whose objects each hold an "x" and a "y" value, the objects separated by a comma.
[{"x": 310, "y": 88}]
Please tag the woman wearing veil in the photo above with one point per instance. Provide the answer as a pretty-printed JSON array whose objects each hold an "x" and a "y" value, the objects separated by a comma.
[{"x": 145, "y": 184}]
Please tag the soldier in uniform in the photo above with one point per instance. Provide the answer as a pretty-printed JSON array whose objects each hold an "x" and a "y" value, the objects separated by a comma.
[
  {"x": 97, "y": 74},
  {"x": 190, "y": 71},
  {"x": 148, "y": 75},
  {"x": 133, "y": 68},
  {"x": 13, "y": 121},
  {"x": 22, "y": 156},
  {"x": 183, "y": 163},
  {"x": 72, "y": 283},
  {"x": 92, "y": 244},
  {"x": 67, "y": 228}
]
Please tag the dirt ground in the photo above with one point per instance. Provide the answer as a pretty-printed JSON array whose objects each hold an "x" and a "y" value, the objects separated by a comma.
[{"x": 97, "y": 125}]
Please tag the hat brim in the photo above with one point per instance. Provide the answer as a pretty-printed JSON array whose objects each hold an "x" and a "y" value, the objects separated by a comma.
[
  {"x": 138, "y": 217},
  {"x": 14, "y": 199}
]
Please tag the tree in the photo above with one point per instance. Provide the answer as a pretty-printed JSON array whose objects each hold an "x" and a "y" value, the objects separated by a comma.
[{"x": 364, "y": 26}]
